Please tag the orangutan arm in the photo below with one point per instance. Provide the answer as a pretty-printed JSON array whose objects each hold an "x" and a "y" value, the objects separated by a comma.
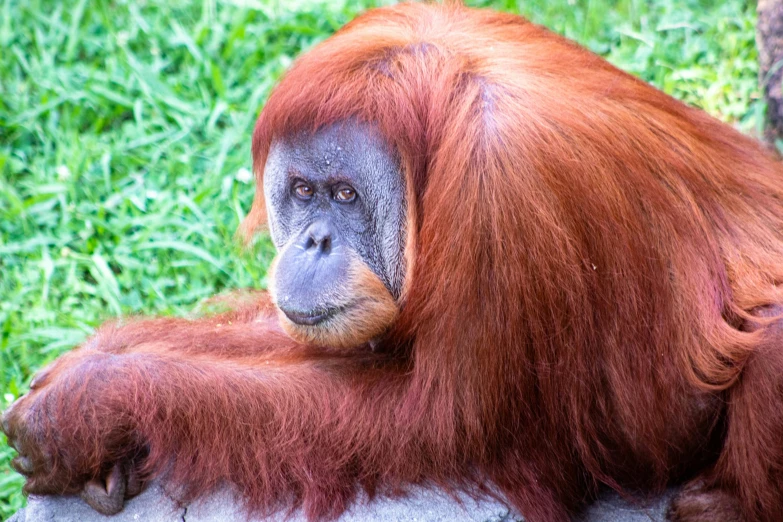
[
  {"x": 249, "y": 328},
  {"x": 305, "y": 430}
]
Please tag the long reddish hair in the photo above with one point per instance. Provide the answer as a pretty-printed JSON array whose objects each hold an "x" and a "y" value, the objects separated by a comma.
[
  {"x": 574, "y": 228},
  {"x": 593, "y": 290}
]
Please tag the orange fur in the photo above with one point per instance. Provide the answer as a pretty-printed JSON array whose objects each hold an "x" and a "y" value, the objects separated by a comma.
[
  {"x": 369, "y": 310},
  {"x": 589, "y": 256}
]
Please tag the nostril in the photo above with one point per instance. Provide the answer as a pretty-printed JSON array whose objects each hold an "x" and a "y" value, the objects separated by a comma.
[
  {"x": 325, "y": 246},
  {"x": 319, "y": 235}
]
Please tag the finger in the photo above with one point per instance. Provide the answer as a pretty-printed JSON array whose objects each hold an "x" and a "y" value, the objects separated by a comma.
[
  {"x": 31, "y": 455},
  {"x": 40, "y": 377},
  {"x": 12, "y": 427},
  {"x": 134, "y": 484},
  {"x": 6, "y": 423},
  {"x": 23, "y": 465},
  {"x": 106, "y": 496}
]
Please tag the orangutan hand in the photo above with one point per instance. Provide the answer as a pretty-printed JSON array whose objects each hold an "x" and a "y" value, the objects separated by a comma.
[{"x": 97, "y": 456}]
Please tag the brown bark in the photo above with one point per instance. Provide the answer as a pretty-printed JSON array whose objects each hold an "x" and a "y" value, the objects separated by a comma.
[{"x": 769, "y": 38}]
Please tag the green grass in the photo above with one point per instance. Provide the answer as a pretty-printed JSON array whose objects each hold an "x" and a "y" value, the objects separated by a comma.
[{"x": 124, "y": 143}]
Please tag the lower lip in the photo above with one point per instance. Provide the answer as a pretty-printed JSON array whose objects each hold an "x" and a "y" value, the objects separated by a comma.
[{"x": 310, "y": 320}]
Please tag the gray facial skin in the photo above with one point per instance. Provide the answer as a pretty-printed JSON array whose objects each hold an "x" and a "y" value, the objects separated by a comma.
[{"x": 318, "y": 235}]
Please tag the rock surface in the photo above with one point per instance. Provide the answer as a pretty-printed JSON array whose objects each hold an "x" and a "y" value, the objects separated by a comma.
[{"x": 423, "y": 505}]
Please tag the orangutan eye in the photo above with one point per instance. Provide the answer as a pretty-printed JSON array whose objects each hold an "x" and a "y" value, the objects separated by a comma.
[
  {"x": 345, "y": 194},
  {"x": 303, "y": 191}
]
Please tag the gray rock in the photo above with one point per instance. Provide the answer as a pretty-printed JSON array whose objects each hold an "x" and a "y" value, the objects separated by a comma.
[
  {"x": 422, "y": 505},
  {"x": 152, "y": 505}
]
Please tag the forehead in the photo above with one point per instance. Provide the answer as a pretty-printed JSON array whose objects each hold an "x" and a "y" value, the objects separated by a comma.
[{"x": 350, "y": 149}]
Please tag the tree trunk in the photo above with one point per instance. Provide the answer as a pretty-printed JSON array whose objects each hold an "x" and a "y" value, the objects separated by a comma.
[{"x": 769, "y": 38}]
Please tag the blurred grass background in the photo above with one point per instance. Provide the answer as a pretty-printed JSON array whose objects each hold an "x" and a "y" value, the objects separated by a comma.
[{"x": 124, "y": 142}]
